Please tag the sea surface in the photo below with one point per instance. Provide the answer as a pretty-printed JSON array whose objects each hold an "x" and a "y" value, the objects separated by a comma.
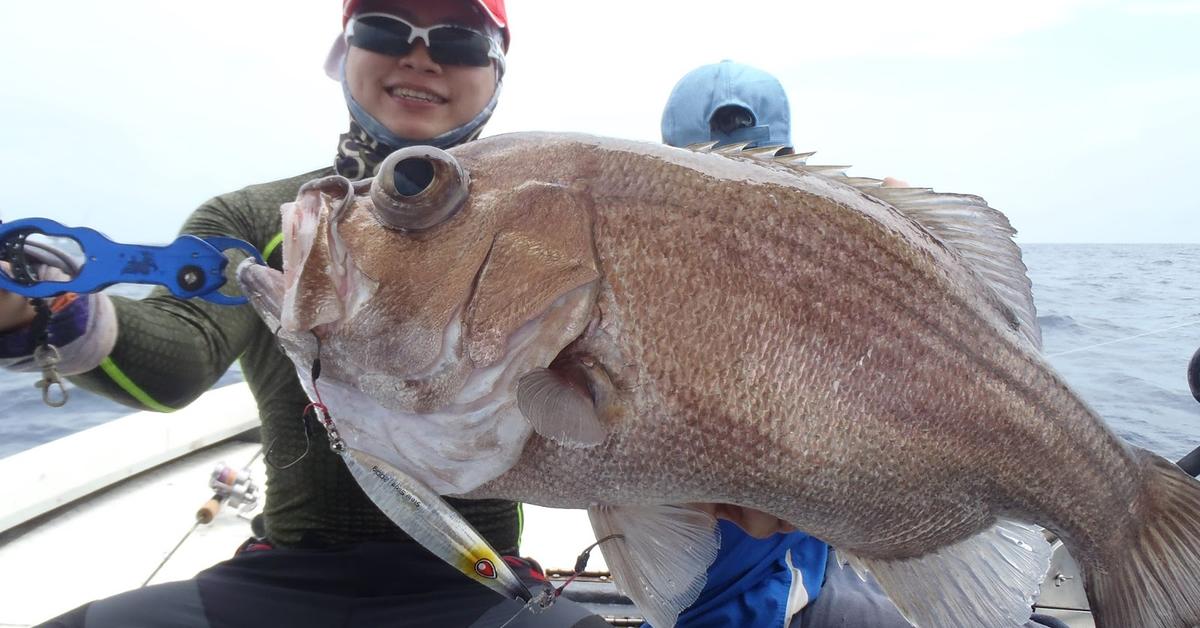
[{"x": 1119, "y": 321}]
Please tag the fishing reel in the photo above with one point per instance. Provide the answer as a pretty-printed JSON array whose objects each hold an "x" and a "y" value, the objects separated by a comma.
[
  {"x": 236, "y": 486},
  {"x": 231, "y": 486}
]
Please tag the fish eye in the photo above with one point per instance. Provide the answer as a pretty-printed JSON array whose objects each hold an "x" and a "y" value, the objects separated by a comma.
[
  {"x": 417, "y": 188},
  {"x": 412, "y": 176}
]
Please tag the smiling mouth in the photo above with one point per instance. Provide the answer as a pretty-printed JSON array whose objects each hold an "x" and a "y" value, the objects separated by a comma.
[{"x": 409, "y": 93}]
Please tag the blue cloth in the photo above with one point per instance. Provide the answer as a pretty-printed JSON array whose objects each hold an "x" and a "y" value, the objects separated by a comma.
[
  {"x": 758, "y": 582},
  {"x": 700, "y": 93}
]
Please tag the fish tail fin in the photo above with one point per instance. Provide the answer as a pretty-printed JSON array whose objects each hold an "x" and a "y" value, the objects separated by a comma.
[{"x": 1155, "y": 581}]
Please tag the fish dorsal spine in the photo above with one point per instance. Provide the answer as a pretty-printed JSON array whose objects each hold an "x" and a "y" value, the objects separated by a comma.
[{"x": 979, "y": 234}]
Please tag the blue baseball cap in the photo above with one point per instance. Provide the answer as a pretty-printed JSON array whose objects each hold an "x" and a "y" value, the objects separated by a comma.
[{"x": 688, "y": 117}]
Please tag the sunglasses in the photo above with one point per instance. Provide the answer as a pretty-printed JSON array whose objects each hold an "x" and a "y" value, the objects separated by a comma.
[{"x": 448, "y": 44}]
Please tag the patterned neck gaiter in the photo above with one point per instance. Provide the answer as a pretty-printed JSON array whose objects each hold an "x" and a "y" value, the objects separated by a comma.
[{"x": 359, "y": 155}]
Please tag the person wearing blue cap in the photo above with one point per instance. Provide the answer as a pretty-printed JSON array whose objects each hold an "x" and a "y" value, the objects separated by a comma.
[
  {"x": 785, "y": 579},
  {"x": 728, "y": 103}
]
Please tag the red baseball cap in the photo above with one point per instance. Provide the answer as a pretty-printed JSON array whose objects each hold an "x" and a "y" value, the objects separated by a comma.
[{"x": 493, "y": 8}]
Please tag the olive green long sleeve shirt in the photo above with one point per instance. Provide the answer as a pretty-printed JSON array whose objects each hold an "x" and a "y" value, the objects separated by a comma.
[{"x": 169, "y": 351}]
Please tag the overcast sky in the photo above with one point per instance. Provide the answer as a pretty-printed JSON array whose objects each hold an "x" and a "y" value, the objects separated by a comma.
[{"x": 1077, "y": 118}]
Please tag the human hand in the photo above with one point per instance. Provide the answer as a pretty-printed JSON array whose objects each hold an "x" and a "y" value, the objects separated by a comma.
[
  {"x": 893, "y": 182},
  {"x": 756, "y": 523},
  {"x": 15, "y": 310}
]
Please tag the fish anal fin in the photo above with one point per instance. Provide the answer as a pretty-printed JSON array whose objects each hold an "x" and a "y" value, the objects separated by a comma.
[
  {"x": 990, "y": 579},
  {"x": 560, "y": 404},
  {"x": 661, "y": 558}
]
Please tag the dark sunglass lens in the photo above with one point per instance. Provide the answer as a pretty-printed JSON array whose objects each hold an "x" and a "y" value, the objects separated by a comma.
[
  {"x": 382, "y": 35},
  {"x": 459, "y": 46}
]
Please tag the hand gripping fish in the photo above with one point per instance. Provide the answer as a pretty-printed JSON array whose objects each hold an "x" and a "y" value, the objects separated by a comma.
[{"x": 584, "y": 322}]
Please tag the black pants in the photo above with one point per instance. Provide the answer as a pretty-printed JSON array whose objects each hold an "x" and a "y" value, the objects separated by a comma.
[{"x": 372, "y": 584}]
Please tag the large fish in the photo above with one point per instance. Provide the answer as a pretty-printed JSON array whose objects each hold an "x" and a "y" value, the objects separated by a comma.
[{"x": 584, "y": 322}]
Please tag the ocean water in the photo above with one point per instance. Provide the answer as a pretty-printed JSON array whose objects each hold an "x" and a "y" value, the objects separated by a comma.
[{"x": 1120, "y": 322}]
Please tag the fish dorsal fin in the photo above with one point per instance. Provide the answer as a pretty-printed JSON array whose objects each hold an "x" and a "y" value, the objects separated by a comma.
[
  {"x": 731, "y": 149},
  {"x": 835, "y": 172},
  {"x": 966, "y": 224},
  {"x": 981, "y": 235},
  {"x": 702, "y": 147},
  {"x": 662, "y": 556},
  {"x": 862, "y": 183},
  {"x": 797, "y": 159},
  {"x": 763, "y": 152},
  {"x": 963, "y": 222}
]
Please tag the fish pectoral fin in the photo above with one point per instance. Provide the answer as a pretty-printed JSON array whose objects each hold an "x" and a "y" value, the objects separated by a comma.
[
  {"x": 990, "y": 579},
  {"x": 561, "y": 406},
  {"x": 662, "y": 557}
]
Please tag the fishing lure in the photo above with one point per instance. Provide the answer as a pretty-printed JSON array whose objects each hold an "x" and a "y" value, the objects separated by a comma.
[{"x": 425, "y": 516}]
